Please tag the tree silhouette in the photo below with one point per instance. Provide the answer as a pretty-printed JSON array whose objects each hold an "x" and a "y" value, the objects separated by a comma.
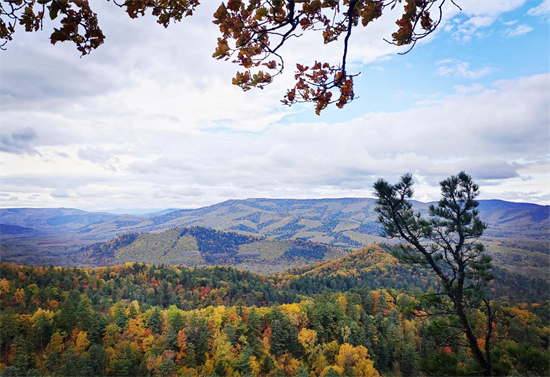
[{"x": 445, "y": 243}]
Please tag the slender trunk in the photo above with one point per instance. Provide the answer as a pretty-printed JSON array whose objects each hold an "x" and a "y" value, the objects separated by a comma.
[
  {"x": 472, "y": 340},
  {"x": 489, "y": 334}
]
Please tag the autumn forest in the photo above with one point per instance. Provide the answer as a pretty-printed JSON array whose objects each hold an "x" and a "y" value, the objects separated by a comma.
[{"x": 138, "y": 319}]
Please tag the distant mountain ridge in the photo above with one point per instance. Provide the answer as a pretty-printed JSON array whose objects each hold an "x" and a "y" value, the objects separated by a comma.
[
  {"x": 518, "y": 236},
  {"x": 44, "y": 219}
]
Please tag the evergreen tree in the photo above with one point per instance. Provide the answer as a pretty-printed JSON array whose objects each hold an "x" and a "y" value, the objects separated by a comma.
[
  {"x": 84, "y": 313},
  {"x": 154, "y": 321},
  {"x": 95, "y": 360},
  {"x": 242, "y": 364},
  {"x": 167, "y": 368},
  {"x": 446, "y": 244},
  {"x": 409, "y": 367},
  {"x": 67, "y": 319},
  {"x": 267, "y": 365}
]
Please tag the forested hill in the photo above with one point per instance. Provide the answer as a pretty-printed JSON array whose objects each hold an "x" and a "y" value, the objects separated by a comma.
[
  {"x": 372, "y": 267},
  {"x": 198, "y": 246},
  {"x": 348, "y": 222},
  {"x": 375, "y": 267}
]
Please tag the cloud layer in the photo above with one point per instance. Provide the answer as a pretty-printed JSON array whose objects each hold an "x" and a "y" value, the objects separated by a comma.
[
  {"x": 126, "y": 127},
  {"x": 490, "y": 134}
]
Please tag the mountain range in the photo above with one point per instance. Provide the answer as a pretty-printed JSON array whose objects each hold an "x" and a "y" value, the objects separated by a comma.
[{"x": 518, "y": 235}]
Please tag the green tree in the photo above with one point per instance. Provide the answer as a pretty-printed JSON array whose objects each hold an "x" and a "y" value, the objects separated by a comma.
[
  {"x": 284, "y": 336},
  {"x": 8, "y": 328},
  {"x": 67, "y": 318},
  {"x": 447, "y": 244},
  {"x": 154, "y": 321},
  {"x": 96, "y": 360},
  {"x": 409, "y": 362},
  {"x": 267, "y": 365},
  {"x": 85, "y": 313}
]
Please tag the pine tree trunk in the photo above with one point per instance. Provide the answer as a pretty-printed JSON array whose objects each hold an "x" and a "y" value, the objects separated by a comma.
[{"x": 472, "y": 340}]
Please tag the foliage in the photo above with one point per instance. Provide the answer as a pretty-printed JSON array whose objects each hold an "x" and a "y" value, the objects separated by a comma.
[{"x": 252, "y": 34}]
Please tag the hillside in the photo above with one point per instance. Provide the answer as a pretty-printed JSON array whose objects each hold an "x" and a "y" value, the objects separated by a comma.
[
  {"x": 375, "y": 267},
  {"x": 349, "y": 222},
  {"x": 198, "y": 246},
  {"x": 323, "y": 220}
]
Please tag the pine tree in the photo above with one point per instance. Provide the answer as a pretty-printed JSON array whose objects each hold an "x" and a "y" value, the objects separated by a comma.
[
  {"x": 446, "y": 244},
  {"x": 409, "y": 367},
  {"x": 267, "y": 365},
  {"x": 154, "y": 321}
]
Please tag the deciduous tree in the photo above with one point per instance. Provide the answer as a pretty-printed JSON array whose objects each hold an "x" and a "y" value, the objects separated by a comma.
[{"x": 252, "y": 34}]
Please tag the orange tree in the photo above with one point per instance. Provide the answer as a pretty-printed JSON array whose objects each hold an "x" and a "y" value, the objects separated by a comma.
[{"x": 252, "y": 34}]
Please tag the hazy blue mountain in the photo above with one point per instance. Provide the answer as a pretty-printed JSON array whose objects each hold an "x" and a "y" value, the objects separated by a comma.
[
  {"x": 141, "y": 212},
  {"x": 45, "y": 219},
  {"x": 14, "y": 229}
]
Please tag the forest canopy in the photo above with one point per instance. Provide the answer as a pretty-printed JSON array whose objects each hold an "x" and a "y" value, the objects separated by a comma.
[{"x": 144, "y": 320}]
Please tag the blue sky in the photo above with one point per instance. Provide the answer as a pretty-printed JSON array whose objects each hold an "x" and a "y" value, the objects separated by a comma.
[
  {"x": 150, "y": 120},
  {"x": 400, "y": 82}
]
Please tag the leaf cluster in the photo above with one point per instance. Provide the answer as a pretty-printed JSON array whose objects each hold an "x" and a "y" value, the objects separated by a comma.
[{"x": 252, "y": 34}]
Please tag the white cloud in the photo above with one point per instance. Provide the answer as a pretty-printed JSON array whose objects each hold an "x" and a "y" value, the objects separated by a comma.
[
  {"x": 20, "y": 141},
  {"x": 475, "y": 23},
  {"x": 103, "y": 157},
  {"x": 531, "y": 196},
  {"x": 543, "y": 9},
  {"x": 519, "y": 30},
  {"x": 457, "y": 68},
  {"x": 474, "y": 88},
  {"x": 59, "y": 194},
  {"x": 476, "y": 16}
]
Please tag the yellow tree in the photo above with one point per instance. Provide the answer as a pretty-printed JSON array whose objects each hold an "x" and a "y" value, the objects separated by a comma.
[
  {"x": 355, "y": 361},
  {"x": 82, "y": 343},
  {"x": 4, "y": 286},
  {"x": 56, "y": 344},
  {"x": 307, "y": 339},
  {"x": 42, "y": 321}
]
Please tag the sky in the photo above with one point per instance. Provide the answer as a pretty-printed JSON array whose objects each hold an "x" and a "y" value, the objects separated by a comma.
[{"x": 150, "y": 120}]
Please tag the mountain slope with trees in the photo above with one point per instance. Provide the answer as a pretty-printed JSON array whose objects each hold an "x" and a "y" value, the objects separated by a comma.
[{"x": 198, "y": 246}]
